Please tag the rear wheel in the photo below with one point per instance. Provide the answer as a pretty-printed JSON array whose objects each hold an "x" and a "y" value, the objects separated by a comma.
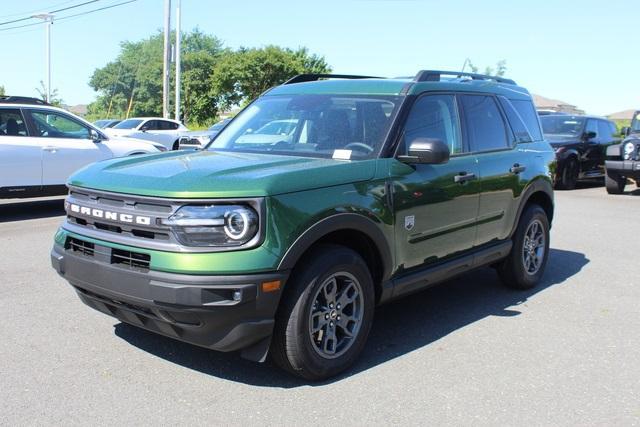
[
  {"x": 326, "y": 314},
  {"x": 615, "y": 184},
  {"x": 524, "y": 266},
  {"x": 569, "y": 176}
]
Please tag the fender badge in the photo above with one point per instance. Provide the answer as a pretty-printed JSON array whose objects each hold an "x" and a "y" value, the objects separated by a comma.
[{"x": 409, "y": 222}]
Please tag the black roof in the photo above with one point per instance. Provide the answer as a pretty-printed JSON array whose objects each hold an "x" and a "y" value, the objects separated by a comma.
[{"x": 22, "y": 100}]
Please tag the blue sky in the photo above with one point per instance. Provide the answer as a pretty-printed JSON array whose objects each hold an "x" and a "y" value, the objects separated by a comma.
[{"x": 582, "y": 52}]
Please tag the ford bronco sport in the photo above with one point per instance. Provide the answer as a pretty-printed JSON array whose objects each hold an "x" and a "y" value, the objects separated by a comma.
[
  {"x": 382, "y": 187},
  {"x": 623, "y": 160}
]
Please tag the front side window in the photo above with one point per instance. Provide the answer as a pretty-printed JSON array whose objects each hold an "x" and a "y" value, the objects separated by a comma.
[
  {"x": 604, "y": 130},
  {"x": 350, "y": 127},
  {"x": 128, "y": 124},
  {"x": 635, "y": 122},
  {"x": 55, "y": 125},
  {"x": 12, "y": 123},
  {"x": 484, "y": 123},
  {"x": 592, "y": 126},
  {"x": 434, "y": 117}
]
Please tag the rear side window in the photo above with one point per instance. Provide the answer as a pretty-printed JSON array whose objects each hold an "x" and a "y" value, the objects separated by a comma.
[
  {"x": 517, "y": 126},
  {"x": 484, "y": 123},
  {"x": 165, "y": 125},
  {"x": 12, "y": 123},
  {"x": 529, "y": 117},
  {"x": 434, "y": 116}
]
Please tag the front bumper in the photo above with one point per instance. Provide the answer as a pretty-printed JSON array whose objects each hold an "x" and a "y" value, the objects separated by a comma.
[
  {"x": 224, "y": 313},
  {"x": 626, "y": 168}
]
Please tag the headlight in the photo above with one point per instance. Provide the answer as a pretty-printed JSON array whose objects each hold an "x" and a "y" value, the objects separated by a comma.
[
  {"x": 214, "y": 225},
  {"x": 204, "y": 139},
  {"x": 627, "y": 150}
]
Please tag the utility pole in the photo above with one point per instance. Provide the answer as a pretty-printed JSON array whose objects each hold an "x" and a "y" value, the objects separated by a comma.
[
  {"x": 178, "y": 64},
  {"x": 48, "y": 19},
  {"x": 167, "y": 59}
]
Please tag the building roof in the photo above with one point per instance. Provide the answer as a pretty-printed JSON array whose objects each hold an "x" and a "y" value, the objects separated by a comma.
[
  {"x": 622, "y": 115},
  {"x": 543, "y": 103}
]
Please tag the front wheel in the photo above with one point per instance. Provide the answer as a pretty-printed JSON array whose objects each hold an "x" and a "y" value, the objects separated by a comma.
[
  {"x": 326, "y": 314},
  {"x": 614, "y": 183},
  {"x": 569, "y": 175},
  {"x": 524, "y": 266}
]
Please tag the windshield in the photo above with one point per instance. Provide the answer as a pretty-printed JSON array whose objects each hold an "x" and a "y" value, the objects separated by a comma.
[
  {"x": 562, "y": 125},
  {"x": 635, "y": 123},
  {"x": 128, "y": 124},
  {"x": 347, "y": 127}
]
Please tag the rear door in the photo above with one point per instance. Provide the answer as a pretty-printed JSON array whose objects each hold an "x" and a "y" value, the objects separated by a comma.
[
  {"x": 20, "y": 153},
  {"x": 591, "y": 152},
  {"x": 163, "y": 131},
  {"x": 66, "y": 145},
  {"x": 435, "y": 210},
  {"x": 493, "y": 143}
]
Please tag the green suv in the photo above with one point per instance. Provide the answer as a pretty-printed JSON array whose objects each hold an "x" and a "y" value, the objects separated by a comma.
[{"x": 283, "y": 243}]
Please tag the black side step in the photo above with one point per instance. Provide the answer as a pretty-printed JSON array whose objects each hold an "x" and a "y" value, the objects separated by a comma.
[{"x": 432, "y": 275}]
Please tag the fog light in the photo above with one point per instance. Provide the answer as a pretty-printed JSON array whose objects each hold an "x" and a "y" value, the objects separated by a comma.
[{"x": 237, "y": 295}]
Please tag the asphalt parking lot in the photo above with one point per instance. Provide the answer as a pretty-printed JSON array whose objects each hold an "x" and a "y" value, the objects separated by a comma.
[{"x": 469, "y": 351}]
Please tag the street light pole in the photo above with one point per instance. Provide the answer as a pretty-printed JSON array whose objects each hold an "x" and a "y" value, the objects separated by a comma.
[
  {"x": 48, "y": 19},
  {"x": 167, "y": 59},
  {"x": 178, "y": 65}
]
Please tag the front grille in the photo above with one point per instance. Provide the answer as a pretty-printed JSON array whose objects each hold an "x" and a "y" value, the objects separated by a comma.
[
  {"x": 118, "y": 257},
  {"x": 80, "y": 246},
  {"x": 130, "y": 259}
]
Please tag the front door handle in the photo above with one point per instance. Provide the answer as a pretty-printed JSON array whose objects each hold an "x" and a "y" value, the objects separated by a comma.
[
  {"x": 463, "y": 177},
  {"x": 517, "y": 168},
  {"x": 50, "y": 148}
]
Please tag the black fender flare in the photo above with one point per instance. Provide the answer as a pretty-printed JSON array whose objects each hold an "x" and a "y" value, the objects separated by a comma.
[
  {"x": 337, "y": 222},
  {"x": 538, "y": 185}
]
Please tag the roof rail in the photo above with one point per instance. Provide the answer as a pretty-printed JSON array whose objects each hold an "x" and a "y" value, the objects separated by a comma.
[
  {"x": 301, "y": 78},
  {"x": 22, "y": 100},
  {"x": 434, "y": 76}
]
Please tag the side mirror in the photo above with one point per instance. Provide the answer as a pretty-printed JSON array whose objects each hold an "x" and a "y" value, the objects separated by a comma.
[
  {"x": 625, "y": 131},
  {"x": 427, "y": 151},
  {"x": 95, "y": 136},
  {"x": 589, "y": 135}
]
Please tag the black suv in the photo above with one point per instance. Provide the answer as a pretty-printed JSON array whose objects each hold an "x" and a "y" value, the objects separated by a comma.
[
  {"x": 580, "y": 143},
  {"x": 623, "y": 160}
]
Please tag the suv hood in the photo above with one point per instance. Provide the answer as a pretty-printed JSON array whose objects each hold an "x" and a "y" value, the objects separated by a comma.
[{"x": 208, "y": 174}]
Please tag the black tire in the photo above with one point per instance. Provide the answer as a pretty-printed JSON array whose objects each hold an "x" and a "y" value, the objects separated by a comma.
[
  {"x": 176, "y": 144},
  {"x": 293, "y": 347},
  {"x": 513, "y": 270},
  {"x": 614, "y": 183},
  {"x": 569, "y": 175}
]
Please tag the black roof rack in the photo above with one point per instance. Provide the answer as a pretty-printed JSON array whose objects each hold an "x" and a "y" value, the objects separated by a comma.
[
  {"x": 434, "y": 76},
  {"x": 301, "y": 78},
  {"x": 22, "y": 100}
]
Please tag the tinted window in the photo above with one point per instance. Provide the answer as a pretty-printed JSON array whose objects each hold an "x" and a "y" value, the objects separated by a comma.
[
  {"x": 570, "y": 126},
  {"x": 604, "y": 131},
  {"x": 517, "y": 126},
  {"x": 165, "y": 125},
  {"x": 434, "y": 116},
  {"x": 529, "y": 117},
  {"x": 55, "y": 125},
  {"x": 128, "y": 124},
  {"x": 12, "y": 123},
  {"x": 592, "y": 126},
  {"x": 484, "y": 123}
]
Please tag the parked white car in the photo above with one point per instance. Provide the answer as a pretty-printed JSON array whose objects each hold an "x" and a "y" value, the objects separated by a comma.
[
  {"x": 41, "y": 146},
  {"x": 163, "y": 131}
]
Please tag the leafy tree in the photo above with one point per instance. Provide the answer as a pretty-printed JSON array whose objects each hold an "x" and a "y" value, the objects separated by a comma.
[
  {"x": 499, "y": 70},
  {"x": 245, "y": 74},
  {"x": 54, "y": 98},
  {"x": 2, "y": 91}
]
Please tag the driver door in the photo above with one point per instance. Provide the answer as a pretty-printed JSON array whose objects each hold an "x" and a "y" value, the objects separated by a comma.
[{"x": 66, "y": 145}]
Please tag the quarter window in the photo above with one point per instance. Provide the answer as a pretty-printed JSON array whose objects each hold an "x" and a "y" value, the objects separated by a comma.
[
  {"x": 529, "y": 117},
  {"x": 484, "y": 123},
  {"x": 436, "y": 117},
  {"x": 12, "y": 123},
  {"x": 517, "y": 126},
  {"x": 55, "y": 125}
]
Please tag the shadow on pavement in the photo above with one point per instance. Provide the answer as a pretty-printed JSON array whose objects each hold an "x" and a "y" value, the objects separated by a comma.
[
  {"x": 399, "y": 327},
  {"x": 23, "y": 210}
]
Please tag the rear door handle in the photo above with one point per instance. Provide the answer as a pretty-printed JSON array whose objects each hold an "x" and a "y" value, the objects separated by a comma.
[
  {"x": 463, "y": 177},
  {"x": 516, "y": 169},
  {"x": 50, "y": 148}
]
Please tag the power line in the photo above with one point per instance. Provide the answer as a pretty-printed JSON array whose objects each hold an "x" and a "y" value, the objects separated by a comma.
[
  {"x": 52, "y": 11},
  {"x": 36, "y": 10},
  {"x": 71, "y": 16}
]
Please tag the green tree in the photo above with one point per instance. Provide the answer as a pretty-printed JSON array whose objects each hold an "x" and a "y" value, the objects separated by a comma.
[
  {"x": 2, "y": 91},
  {"x": 245, "y": 74},
  {"x": 54, "y": 97},
  {"x": 499, "y": 70}
]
